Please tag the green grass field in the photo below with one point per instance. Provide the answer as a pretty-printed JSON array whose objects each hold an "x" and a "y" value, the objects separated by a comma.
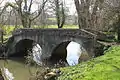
[
  {"x": 9, "y": 28},
  {"x": 106, "y": 67},
  {"x": 55, "y": 26}
]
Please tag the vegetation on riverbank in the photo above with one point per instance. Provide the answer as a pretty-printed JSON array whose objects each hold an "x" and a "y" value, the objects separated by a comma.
[{"x": 106, "y": 67}]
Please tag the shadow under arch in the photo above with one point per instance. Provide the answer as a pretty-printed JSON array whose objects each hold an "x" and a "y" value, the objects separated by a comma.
[
  {"x": 59, "y": 53},
  {"x": 22, "y": 47}
]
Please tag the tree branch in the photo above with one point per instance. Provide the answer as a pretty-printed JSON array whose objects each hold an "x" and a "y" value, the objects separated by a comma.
[
  {"x": 19, "y": 3},
  {"x": 1, "y": 2},
  {"x": 40, "y": 10},
  {"x": 7, "y": 5},
  {"x": 31, "y": 2}
]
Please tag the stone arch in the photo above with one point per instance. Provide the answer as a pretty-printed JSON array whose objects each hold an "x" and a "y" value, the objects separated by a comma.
[
  {"x": 59, "y": 52},
  {"x": 22, "y": 46}
]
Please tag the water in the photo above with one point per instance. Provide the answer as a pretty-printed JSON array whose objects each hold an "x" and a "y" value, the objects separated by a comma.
[
  {"x": 17, "y": 67},
  {"x": 20, "y": 71},
  {"x": 7, "y": 73}
]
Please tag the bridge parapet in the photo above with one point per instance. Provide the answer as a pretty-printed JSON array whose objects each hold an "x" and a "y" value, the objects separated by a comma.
[{"x": 55, "y": 32}]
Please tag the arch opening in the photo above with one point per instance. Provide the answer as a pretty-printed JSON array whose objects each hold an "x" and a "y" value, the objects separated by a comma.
[
  {"x": 59, "y": 54},
  {"x": 76, "y": 53},
  {"x": 22, "y": 47},
  {"x": 68, "y": 53},
  {"x": 28, "y": 50}
]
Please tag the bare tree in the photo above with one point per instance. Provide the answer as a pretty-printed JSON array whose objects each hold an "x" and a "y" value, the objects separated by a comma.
[
  {"x": 80, "y": 7},
  {"x": 95, "y": 14},
  {"x": 87, "y": 11},
  {"x": 23, "y": 8},
  {"x": 43, "y": 17},
  {"x": 60, "y": 13}
]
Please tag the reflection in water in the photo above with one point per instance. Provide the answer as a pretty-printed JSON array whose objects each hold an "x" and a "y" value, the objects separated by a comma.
[
  {"x": 8, "y": 75},
  {"x": 1, "y": 75},
  {"x": 37, "y": 52},
  {"x": 74, "y": 51},
  {"x": 18, "y": 68}
]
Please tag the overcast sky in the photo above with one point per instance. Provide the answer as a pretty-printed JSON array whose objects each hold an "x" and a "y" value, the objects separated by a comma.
[{"x": 69, "y": 4}]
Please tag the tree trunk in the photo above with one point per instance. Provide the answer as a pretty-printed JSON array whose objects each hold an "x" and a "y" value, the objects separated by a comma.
[
  {"x": 26, "y": 22},
  {"x": 77, "y": 4},
  {"x": 29, "y": 23},
  {"x": 118, "y": 28},
  {"x": 60, "y": 13}
]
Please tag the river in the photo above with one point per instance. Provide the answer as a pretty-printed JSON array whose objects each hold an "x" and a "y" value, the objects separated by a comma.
[
  {"x": 20, "y": 71},
  {"x": 18, "y": 68}
]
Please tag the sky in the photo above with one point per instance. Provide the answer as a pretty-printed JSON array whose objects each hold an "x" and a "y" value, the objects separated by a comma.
[{"x": 69, "y": 4}]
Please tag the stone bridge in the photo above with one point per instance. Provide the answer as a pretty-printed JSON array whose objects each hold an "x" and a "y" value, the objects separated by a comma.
[{"x": 49, "y": 40}]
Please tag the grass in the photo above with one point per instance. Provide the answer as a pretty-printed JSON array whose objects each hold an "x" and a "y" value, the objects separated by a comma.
[
  {"x": 8, "y": 29},
  {"x": 106, "y": 67},
  {"x": 55, "y": 26}
]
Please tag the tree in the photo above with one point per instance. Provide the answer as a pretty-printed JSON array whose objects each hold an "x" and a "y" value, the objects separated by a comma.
[
  {"x": 87, "y": 11},
  {"x": 58, "y": 9},
  {"x": 23, "y": 8},
  {"x": 95, "y": 14},
  {"x": 60, "y": 13}
]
